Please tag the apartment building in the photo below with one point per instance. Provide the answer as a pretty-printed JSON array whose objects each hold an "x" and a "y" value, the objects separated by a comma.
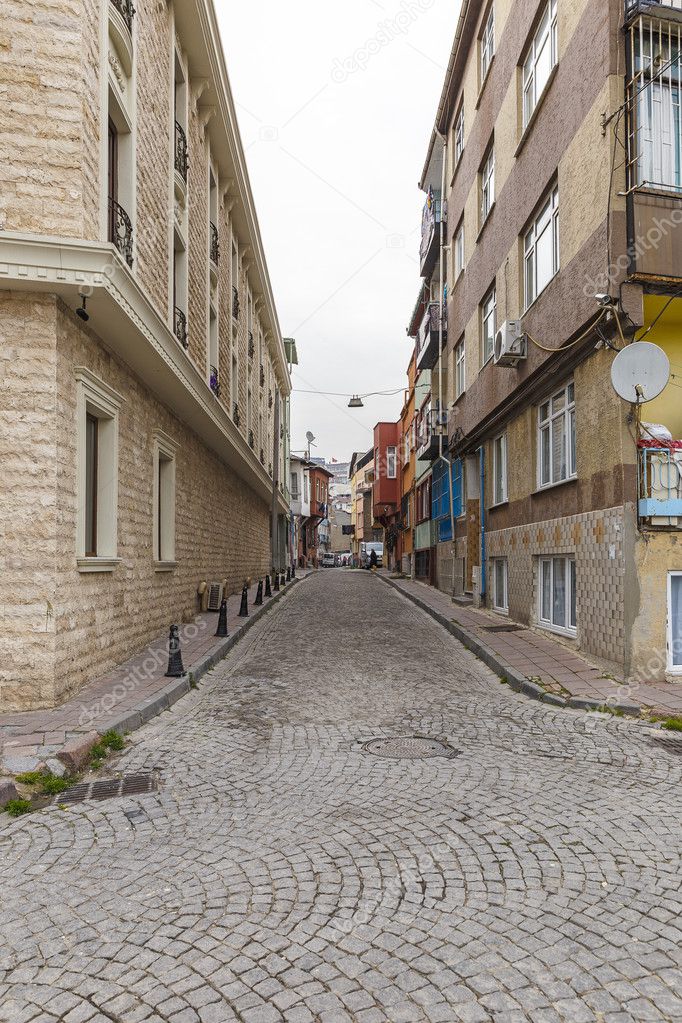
[
  {"x": 555, "y": 170},
  {"x": 143, "y": 375},
  {"x": 361, "y": 474},
  {"x": 386, "y": 487},
  {"x": 408, "y": 444}
]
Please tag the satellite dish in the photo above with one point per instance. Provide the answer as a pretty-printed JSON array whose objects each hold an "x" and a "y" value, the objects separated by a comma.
[
  {"x": 310, "y": 437},
  {"x": 640, "y": 372}
]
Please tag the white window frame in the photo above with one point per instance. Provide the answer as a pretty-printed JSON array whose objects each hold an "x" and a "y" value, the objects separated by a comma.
[
  {"x": 458, "y": 135},
  {"x": 486, "y": 45},
  {"x": 488, "y": 313},
  {"x": 96, "y": 398},
  {"x": 487, "y": 184},
  {"x": 549, "y": 420},
  {"x": 460, "y": 368},
  {"x": 547, "y": 220},
  {"x": 500, "y": 491},
  {"x": 164, "y": 453},
  {"x": 547, "y": 564},
  {"x": 533, "y": 77},
  {"x": 459, "y": 250},
  {"x": 391, "y": 462},
  {"x": 500, "y": 601},
  {"x": 673, "y": 668}
]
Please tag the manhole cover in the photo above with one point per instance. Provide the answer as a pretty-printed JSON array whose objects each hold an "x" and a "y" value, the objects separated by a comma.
[
  {"x": 411, "y": 747},
  {"x": 108, "y": 788}
]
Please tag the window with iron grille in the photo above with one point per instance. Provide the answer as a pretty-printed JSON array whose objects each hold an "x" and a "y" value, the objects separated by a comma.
[{"x": 655, "y": 104}]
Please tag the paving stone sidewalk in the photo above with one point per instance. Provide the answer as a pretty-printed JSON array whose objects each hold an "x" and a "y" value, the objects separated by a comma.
[
  {"x": 542, "y": 660},
  {"x": 130, "y": 694}
]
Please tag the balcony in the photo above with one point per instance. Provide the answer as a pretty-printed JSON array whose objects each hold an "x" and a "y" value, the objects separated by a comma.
[
  {"x": 127, "y": 12},
  {"x": 434, "y": 211},
  {"x": 428, "y": 336},
  {"x": 181, "y": 158},
  {"x": 660, "y": 486},
  {"x": 121, "y": 231},
  {"x": 655, "y": 8},
  {"x": 180, "y": 327},
  {"x": 214, "y": 382}
]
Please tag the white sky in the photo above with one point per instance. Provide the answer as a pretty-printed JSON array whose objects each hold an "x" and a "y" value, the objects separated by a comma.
[{"x": 335, "y": 152}]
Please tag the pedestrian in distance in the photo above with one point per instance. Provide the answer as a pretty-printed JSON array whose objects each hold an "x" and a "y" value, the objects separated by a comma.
[{"x": 373, "y": 560}]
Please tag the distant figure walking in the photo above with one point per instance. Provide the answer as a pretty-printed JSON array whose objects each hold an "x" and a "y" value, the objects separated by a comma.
[{"x": 373, "y": 559}]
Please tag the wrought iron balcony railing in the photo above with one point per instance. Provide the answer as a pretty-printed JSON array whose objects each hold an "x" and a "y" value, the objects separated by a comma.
[
  {"x": 660, "y": 486},
  {"x": 215, "y": 247},
  {"x": 181, "y": 158},
  {"x": 121, "y": 230},
  {"x": 126, "y": 10},
  {"x": 180, "y": 327},
  {"x": 235, "y": 302},
  {"x": 654, "y": 7},
  {"x": 214, "y": 381}
]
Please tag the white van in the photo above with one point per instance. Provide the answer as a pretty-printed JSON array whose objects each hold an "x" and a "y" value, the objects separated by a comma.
[
  {"x": 328, "y": 560},
  {"x": 366, "y": 554}
]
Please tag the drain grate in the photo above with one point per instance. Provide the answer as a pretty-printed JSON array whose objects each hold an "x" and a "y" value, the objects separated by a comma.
[
  {"x": 503, "y": 628},
  {"x": 108, "y": 788},
  {"x": 410, "y": 747}
]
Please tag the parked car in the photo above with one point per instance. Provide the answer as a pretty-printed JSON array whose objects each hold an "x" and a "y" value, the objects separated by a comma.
[
  {"x": 328, "y": 560},
  {"x": 366, "y": 554}
]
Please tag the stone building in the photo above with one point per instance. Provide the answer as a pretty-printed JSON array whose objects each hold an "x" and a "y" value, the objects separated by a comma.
[
  {"x": 143, "y": 378},
  {"x": 553, "y": 173}
]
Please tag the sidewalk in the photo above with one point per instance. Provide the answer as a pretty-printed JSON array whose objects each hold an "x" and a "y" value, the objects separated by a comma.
[
  {"x": 127, "y": 696},
  {"x": 537, "y": 663}
]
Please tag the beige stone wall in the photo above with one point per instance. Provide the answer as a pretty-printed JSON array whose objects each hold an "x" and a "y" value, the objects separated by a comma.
[
  {"x": 222, "y": 528},
  {"x": 656, "y": 554},
  {"x": 28, "y": 499},
  {"x": 49, "y": 138}
]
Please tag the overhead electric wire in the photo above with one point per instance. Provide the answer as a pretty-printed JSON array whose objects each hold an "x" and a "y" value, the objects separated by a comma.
[
  {"x": 340, "y": 394},
  {"x": 565, "y": 348}
]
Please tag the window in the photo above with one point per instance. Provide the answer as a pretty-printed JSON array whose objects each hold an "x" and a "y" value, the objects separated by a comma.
[
  {"x": 541, "y": 249},
  {"x": 391, "y": 463},
  {"x": 440, "y": 500},
  {"x": 458, "y": 487},
  {"x": 558, "y": 594},
  {"x": 305, "y": 487},
  {"x": 486, "y": 44},
  {"x": 459, "y": 249},
  {"x": 488, "y": 325},
  {"x": 458, "y": 135},
  {"x": 487, "y": 184},
  {"x": 460, "y": 369},
  {"x": 557, "y": 438},
  {"x": 499, "y": 573},
  {"x": 98, "y": 407},
  {"x": 294, "y": 486},
  {"x": 541, "y": 58},
  {"x": 655, "y": 95},
  {"x": 164, "y": 499},
  {"x": 500, "y": 469},
  {"x": 675, "y": 622}
]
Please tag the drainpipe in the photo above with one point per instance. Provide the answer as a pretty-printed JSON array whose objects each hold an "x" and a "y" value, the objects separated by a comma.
[
  {"x": 482, "y": 580},
  {"x": 441, "y": 308}
]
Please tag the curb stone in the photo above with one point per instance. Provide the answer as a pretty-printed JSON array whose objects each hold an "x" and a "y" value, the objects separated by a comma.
[
  {"x": 7, "y": 791},
  {"x": 517, "y": 682}
]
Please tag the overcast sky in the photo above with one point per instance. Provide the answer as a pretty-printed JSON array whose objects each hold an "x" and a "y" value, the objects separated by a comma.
[{"x": 335, "y": 108}]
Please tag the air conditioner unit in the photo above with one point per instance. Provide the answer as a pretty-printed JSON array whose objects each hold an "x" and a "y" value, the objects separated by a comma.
[
  {"x": 511, "y": 344},
  {"x": 215, "y": 596}
]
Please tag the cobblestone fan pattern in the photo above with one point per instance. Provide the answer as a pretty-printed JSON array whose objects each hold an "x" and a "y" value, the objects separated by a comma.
[{"x": 283, "y": 872}]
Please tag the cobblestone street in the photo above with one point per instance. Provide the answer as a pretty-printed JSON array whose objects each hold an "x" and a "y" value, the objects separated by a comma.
[{"x": 283, "y": 872}]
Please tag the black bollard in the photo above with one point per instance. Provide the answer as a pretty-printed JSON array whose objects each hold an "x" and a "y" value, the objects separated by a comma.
[
  {"x": 268, "y": 587},
  {"x": 175, "y": 666},
  {"x": 288, "y": 574},
  {"x": 222, "y": 620},
  {"x": 259, "y": 595},
  {"x": 282, "y": 580},
  {"x": 276, "y": 582},
  {"x": 293, "y": 569},
  {"x": 244, "y": 607}
]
